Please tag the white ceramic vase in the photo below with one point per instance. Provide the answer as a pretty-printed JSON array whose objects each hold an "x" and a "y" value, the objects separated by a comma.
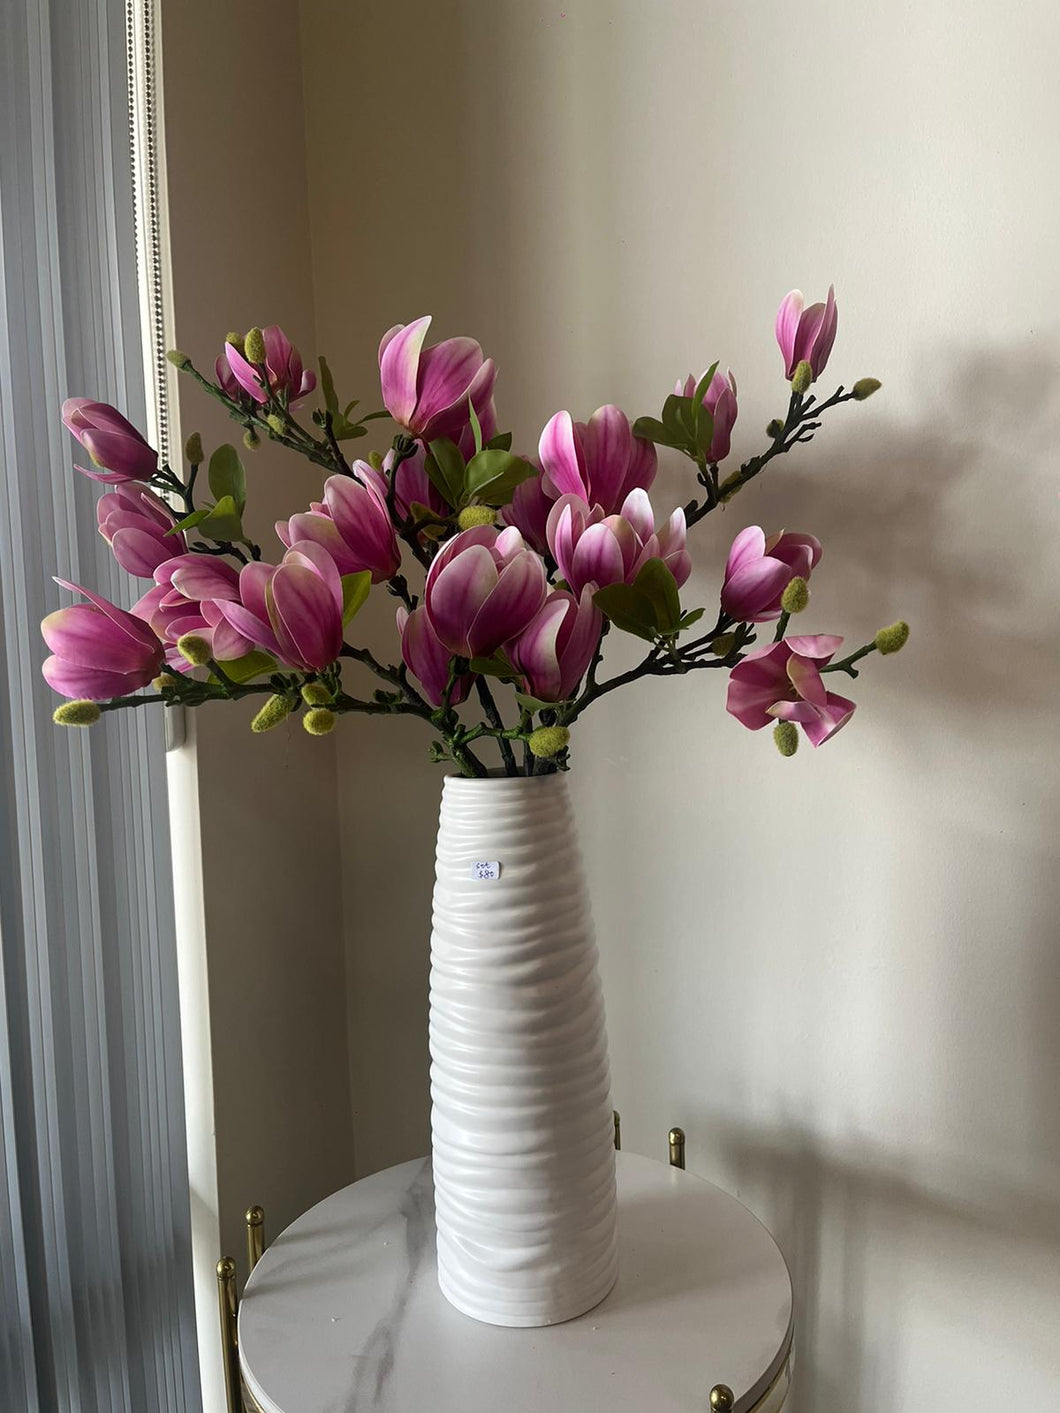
[{"x": 523, "y": 1137}]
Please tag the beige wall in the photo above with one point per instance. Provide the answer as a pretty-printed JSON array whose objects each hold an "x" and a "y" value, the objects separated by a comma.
[
  {"x": 275, "y": 968},
  {"x": 839, "y": 972}
]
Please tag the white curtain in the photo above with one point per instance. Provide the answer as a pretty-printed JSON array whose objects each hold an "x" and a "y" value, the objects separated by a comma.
[{"x": 95, "y": 1284}]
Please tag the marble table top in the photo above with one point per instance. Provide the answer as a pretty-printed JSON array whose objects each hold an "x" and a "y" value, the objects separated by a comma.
[{"x": 343, "y": 1313}]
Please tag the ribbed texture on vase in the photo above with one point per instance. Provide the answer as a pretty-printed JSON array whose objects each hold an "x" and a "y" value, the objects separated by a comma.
[{"x": 524, "y": 1163}]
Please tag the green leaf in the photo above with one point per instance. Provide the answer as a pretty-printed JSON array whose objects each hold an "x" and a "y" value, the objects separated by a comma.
[
  {"x": 492, "y": 476},
  {"x": 350, "y": 406},
  {"x": 501, "y": 442},
  {"x": 678, "y": 421},
  {"x": 653, "y": 430},
  {"x": 227, "y": 477},
  {"x": 628, "y": 609},
  {"x": 244, "y": 669},
  {"x": 692, "y": 616},
  {"x": 190, "y": 521},
  {"x": 327, "y": 387},
  {"x": 223, "y": 521},
  {"x": 445, "y": 467},
  {"x": 535, "y": 703},
  {"x": 355, "y": 589},
  {"x": 659, "y": 586},
  {"x": 476, "y": 425},
  {"x": 345, "y": 431},
  {"x": 701, "y": 390},
  {"x": 494, "y": 667}
]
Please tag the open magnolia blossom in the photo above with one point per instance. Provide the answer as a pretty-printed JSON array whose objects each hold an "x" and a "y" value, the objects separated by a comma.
[{"x": 526, "y": 565}]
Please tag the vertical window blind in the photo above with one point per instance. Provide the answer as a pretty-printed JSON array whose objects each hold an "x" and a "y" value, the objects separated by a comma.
[{"x": 96, "y": 1309}]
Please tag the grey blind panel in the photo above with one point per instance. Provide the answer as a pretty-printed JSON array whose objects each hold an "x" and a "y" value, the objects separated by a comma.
[{"x": 94, "y": 1208}]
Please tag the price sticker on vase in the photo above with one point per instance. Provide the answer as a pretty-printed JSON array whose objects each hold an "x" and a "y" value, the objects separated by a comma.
[{"x": 485, "y": 872}]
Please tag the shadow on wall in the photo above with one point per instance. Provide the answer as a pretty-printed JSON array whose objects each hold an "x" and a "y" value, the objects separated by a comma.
[
  {"x": 925, "y": 524},
  {"x": 853, "y": 1221}
]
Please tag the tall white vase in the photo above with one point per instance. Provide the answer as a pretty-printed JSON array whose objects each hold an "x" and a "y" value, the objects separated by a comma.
[{"x": 524, "y": 1163}]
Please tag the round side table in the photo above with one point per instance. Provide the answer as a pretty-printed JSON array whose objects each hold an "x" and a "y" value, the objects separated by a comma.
[{"x": 343, "y": 1312}]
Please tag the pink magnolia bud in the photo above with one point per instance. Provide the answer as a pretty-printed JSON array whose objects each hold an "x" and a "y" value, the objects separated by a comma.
[
  {"x": 118, "y": 451},
  {"x": 99, "y": 650}
]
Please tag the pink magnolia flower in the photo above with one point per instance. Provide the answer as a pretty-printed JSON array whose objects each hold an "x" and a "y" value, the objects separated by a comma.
[
  {"x": 483, "y": 588},
  {"x": 782, "y": 682},
  {"x": 99, "y": 650},
  {"x": 427, "y": 658},
  {"x": 113, "y": 443},
  {"x": 555, "y": 649},
  {"x": 806, "y": 333},
  {"x": 285, "y": 377},
  {"x": 600, "y": 460},
  {"x": 134, "y": 522},
  {"x": 529, "y": 510},
  {"x": 352, "y": 524},
  {"x": 720, "y": 400},
  {"x": 759, "y": 570},
  {"x": 292, "y": 610},
  {"x": 427, "y": 390},
  {"x": 185, "y": 599},
  {"x": 591, "y": 548}
]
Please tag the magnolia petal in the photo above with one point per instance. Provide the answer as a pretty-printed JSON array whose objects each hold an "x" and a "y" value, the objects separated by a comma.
[
  {"x": 607, "y": 447},
  {"x": 201, "y": 576},
  {"x": 752, "y": 594},
  {"x": 832, "y": 717},
  {"x": 444, "y": 380},
  {"x": 138, "y": 552},
  {"x": 455, "y": 595},
  {"x": 518, "y": 594},
  {"x": 246, "y": 375},
  {"x": 822, "y": 646},
  {"x": 81, "y": 635},
  {"x": 561, "y": 459},
  {"x": 399, "y": 360},
  {"x": 95, "y": 683},
  {"x": 255, "y": 630},
  {"x": 304, "y": 616},
  {"x": 127, "y": 622},
  {"x": 787, "y": 326}
]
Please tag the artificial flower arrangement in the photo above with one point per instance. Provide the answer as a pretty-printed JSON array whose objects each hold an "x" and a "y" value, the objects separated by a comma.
[{"x": 527, "y": 565}]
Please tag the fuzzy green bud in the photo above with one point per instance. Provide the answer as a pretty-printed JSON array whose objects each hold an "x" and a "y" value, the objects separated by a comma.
[
  {"x": 178, "y": 359},
  {"x": 236, "y": 340},
  {"x": 802, "y": 377},
  {"x": 548, "y": 741},
  {"x": 774, "y": 428},
  {"x": 165, "y": 680},
  {"x": 275, "y": 710},
  {"x": 251, "y": 440},
  {"x": 473, "y": 515},
  {"x": 194, "y": 649},
  {"x": 893, "y": 638},
  {"x": 319, "y": 721},
  {"x": 254, "y": 346},
  {"x": 865, "y": 387},
  {"x": 276, "y": 423},
  {"x": 796, "y": 596},
  {"x": 316, "y": 694},
  {"x": 786, "y": 737},
  {"x": 193, "y": 449},
  {"x": 721, "y": 646},
  {"x": 79, "y": 713}
]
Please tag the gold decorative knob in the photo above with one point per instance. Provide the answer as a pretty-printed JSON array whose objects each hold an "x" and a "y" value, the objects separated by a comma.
[
  {"x": 677, "y": 1147},
  {"x": 721, "y": 1398}
]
